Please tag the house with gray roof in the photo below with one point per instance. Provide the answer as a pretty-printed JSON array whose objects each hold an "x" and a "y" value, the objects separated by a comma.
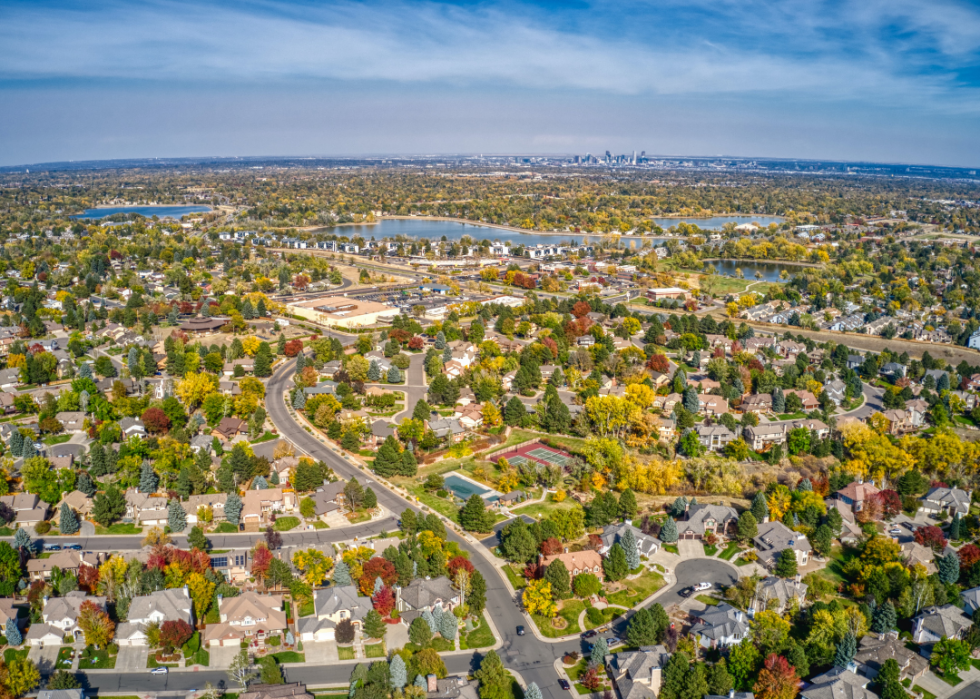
[
  {"x": 326, "y": 497},
  {"x": 448, "y": 428},
  {"x": 331, "y": 606},
  {"x": 714, "y": 437},
  {"x": 613, "y": 533},
  {"x": 723, "y": 625},
  {"x": 638, "y": 674},
  {"x": 876, "y": 649},
  {"x": 838, "y": 683},
  {"x": 936, "y": 623},
  {"x": 775, "y": 537},
  {"x": 971, "y": 600},
  {"x": 62, "y": 612},
  {"x": 701, "y": 520},
  {"x": 777, "y": 594},
  {"x": 321, "y": 388},
  {"x": 425, "y": 594},
  {"x": 950, "y": 500},
  {"x": 132, "y": 427}
]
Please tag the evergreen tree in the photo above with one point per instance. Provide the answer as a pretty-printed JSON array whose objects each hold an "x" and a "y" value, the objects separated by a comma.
[
  {"x": 631, "y": 549},
  {"x": 397, "y": 671},
  {"x": 260, "y": 483},
  {"x": 846, "y": 650},
  {"x": 108, "y": 507},
  {"x": 85, "y": 371},
  {"x": 409, "y": 465},
  {"x": 514, "y": 412},
  {"x": 233, "y": 508},
  {"x": 449, "y": 627},
  {"x": 85, "y": 484},
  {"x": 600, "y": 648},
  {"x": 884, "y": 618},
  {"x": 387, "y": 461},
  {"x": 493, "y": 678},
  {"x": 12, "y": 632},
  {"x": 299, "y": 399},
  {"x": 419, "y": 632},
  {"x": 473, "y": 516},
  {"x": 374, "y": 625},
  {"x": 641, "y": 630},
  {"x": 149, "y": 480},
  {"x": 627, "y": 505},
  {"x": 786, "y": 567},
  {"x": 68, "y": 523},
  {"x": 691, "y": 402},
  {"x": 675, "y": 677},
  {"x": 679, "y": 507},
  {"x": 533, "y": 692},
  {"x": 431, "y": 621},
  {"x": 341, "y": 573},
  {"x": 949, "y": 568},
  {"x": 668, "y": 533},
  {"x": 804, "y": 486},
  {"x": 440, "y": 341},
  {"x": 954, "y": 528},
  {"x": 421, "y": 411},
  {"x": 394, "y": 375},
  {"x": 374, "y": 371},
  {"x": 16, "y": 443},
  {"x": 760, "y": 508},
  {"x": 748, "y": 527},
  {"x": 28, "y": 451},
  {"x": 778, "y": 400},
  {"x": 561, "y": 581},
  {"x": 719, "y": 681},
  {"x": 281, "y": 346},
  {"x": 614, "y": 564},
  {"x": 176, "y": 517}
]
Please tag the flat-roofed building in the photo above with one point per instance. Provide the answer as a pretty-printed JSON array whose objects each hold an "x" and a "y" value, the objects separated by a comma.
[{"x": 343, "y": 312}]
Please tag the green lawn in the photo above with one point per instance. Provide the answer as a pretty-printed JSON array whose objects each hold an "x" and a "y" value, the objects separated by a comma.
[
  {"x": 517, "y": 580},
  {"x": 670, "y": 548},
  {"x": 96, "y": 659},
  {"x": 226, "y": 528},
  {"x": 376, "y": 650},
  {"x": 284, "y": 524},
  {"x": 201, "y": 657},
  {"x": 57, "y": 439},
  {"x": 307, "y": 609},
  {"x": 608, "y": 614},
  {"x": 547, "y": 507},
  {"x": 118, "y": 528},
  {"x": 729, "y": 551},
  {"x": 64, "y": 657},
  {"x": 710, "y": 601},
  {"x": 11, "y": 654},
  {"x": 265, "y": 438},
  {"x": 480, "y": 637},
  {"x": 743, "y": 562},
  {"x": 289, "y": 656},
  {"x": 345, "y": 652},
  {"x": 637, "y": 590},
  {"x": 924, "y": 693},
  {"x": 320, "y": 524},
  {"x": 570, "y": 612},
  {"x": 441, "y": 645},
  {"x": 710, "y": 550}
]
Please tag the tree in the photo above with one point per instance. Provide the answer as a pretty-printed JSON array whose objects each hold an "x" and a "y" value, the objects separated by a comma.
[
  {"x": 174, "y": 634},
  {"x": 884, "y": 618},
  {"x": 760, "y": 508},
  {"x": 240, "y": 671},
  {"x": 156, "y": 420},
  {"x": 196, "y": 539},
  {"x": 176, "y": 517},
  {"x": 448, "y": 626},
  {"x": 561, "y": 583},
  {"x": 149, "y": 480},
  {"x": 537, "y": 598},
  {"x": 473, "y": 516},
  {"x": 397, "y": 671},
  {"x": 668, "y": 533},
  {"x": 642, "y": 630},
  {"x": 109, "y": 506},
  {"x": 374, "y": 625},
  {"x": 514, "y": 412},
  {"x": 68, "y": 523},
  {"x": 748, "y": 526},
  {"x": 630, "y": 548},
  {"x": 95, "y": 624},
  {"x": 614, "y": 565},
  {"x": 846, "y": 650},
  {"x": 600, "y": 648},
  {"x": 719, "y": 681},
  {"x": 949, "y": 568},
  {"x": 345, "y": 631},
  {"x": 270, "y": 672},
  {"x": 22, "y": 676},
  {"x": 822, "y": 540},
  {"x": 586, "y": 585},
  {"x": 63, "y": 679},
  {"x": 777, "y": 679},
  {"x": 419, "y": 632},
  {"x": 950, "y": 656},
  {"x": 341, "y": 573},
  {"x": 533, "y": 692},
  {"x": 233, "y": 508},
  {"x": 13, "y": 634},
  {"x": 786, "y": 566},
  {"x": 494, "y": 680}
]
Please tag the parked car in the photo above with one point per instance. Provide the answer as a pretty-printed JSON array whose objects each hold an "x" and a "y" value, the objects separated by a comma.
[
  {"x": 52, "y": 547},
  {"x": 703, "y": 586},
  {"x": 520, "y": 630},
  {"x": 564, "y": 684},
  {"x": 590, "y": 634},
  {"x": 686, "y": 592},
  {"x": 158, "y": 671},
  {"x": 74, "y": 547}
]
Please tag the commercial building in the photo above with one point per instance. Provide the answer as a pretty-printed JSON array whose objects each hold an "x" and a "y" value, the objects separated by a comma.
[{"x": 343, "y": 312}]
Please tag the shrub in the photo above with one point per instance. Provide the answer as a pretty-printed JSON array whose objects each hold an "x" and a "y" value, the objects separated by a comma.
[
  {"x": 42, "y": 527},
  {"x": 594, "y": 615}
]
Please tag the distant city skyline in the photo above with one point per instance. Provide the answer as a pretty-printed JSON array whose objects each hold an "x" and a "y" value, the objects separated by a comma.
[{"x": 894, "y": 81}]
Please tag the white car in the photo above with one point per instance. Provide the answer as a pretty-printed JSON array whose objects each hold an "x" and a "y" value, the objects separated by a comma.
[
  {"x": 158, "y": 671},
  {"x": 703, "y": 586}
]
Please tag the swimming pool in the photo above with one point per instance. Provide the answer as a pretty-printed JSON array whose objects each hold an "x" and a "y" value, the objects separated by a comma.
[{"x": 463, "y": 488}]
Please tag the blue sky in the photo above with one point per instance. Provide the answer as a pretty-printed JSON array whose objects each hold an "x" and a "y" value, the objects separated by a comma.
[{"x": 886, "y": 80}]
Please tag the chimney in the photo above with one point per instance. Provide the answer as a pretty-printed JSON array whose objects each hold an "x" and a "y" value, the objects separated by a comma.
[
  {"x": 731, "y": 694},
  {"x": 431, "y": 683}
]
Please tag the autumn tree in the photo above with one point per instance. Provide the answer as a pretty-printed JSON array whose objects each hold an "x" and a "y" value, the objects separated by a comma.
[{"x": 777, "y": 679}]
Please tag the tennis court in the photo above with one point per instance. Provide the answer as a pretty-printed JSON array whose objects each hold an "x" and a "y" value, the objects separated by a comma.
[
  {"x": 536, "y": 453},
  {"x": 518, "y": 460},
  {"x": 549, "y": 456}
]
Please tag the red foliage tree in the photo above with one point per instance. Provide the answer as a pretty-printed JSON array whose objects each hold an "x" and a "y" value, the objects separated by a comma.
[
  {"x": 293, "y": 347},
  {"x": 938, "y": 484},
  {"x": 156, "y": 420},
  {"x": 777, "y": 679},
  {"x": 552, "y": 345},
  {"x": 458, "y": 563},
  {"x": 872, "y": 510},
  {"x": 551, "y": 546},
  {"x": 532, "y": 571},
  {"x": 932, "y": 537},
  {"x": 891, "y": 502},
  {"x": 384, "y": 601},
  {"x": 581, "y": 309},
  {"x": 821, "y": 485},
  {"x": 659, "y": 363},
  {"x": 261, "y": 558},
  {"x": 300, "y": 281},
  {"x": 969, "y": 555},
  {"x": 719, "y": 352},
  {"x": 376, "y": 568},
  {"x": 399, "y": 335},
  {"x": 416, "y": 343},
  {"x": 88, "y": 578},
  {"x": 591, "y": 680},
  {"x": 174, "y": 634},
  {"x": 595, "y": 542},
  {"x": 115, "y": 255},
  {"x": 186, "y": 307}
]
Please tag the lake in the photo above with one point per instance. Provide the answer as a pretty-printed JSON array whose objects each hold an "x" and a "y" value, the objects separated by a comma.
[
  {"x": 769, "y": 270},
  {"x": 435, "y": 230},
  {"x": 148, "y": 211}
]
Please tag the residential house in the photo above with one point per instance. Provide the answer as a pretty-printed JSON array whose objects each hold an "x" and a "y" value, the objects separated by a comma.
[
  {"x": 425, "y": 594},
  {"x": 229, "y": 428},
  {"x": 470, "y": 416},
  {"x": 898, "y": 422},
  {"x": 27, "y": 507},
  {"x": 835, "y": 390},
  {"x": 62, "y": 612},
  {"x": 936, "y": 623},
  {"x": 774, "y": 538},
  {"x": 448, "y": 428},
  {"x": 850, "y": 529},
  {"x": 712, "y": 405},
  {"x": 638, "y": 674},
  {"x": 855, "y": 493},
  {"x": 876, "y": 649},
  {"x": 260, "y": 504},
  {"x": 235, "y": 565},
  {"x": 949, "y": 500},
  {"x": 838, "y": 683},
  {"x": 714, "y": 437},
  {"x": 764, "y": 435},
  {"x": 77, "y": 501},
  {"x": 155, "y": 608},
  {"x": 72, "y": 421},
  {"x": 331, "y": 606},
  {"x": 214, "y": 501},
  {"x": 778, "y": 595},
  {"x": 719, "y": 626},
  {"x": 66, "y": 561},
  {"x": 809, "y": 401},
  {"x": 576, "y": 561},
  {"x": 248, "y": 617},
  {"x": 328, "y": 498},
  {"x": 380, "y": 431},
  {"x": 702, "y": 520},
  {"x": 757, "y": 403},
  {"x": 612, "y": 533},
  {"x": 158, "y": 517},
  {"x": 132, "y": 427}
]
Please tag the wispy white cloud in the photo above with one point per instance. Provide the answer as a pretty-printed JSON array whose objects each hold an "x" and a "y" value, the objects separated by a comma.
[{"x": 895, "y": 52}]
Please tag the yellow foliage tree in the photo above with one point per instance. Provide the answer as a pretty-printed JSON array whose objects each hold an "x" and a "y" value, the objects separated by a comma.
[
  {"x": 251, "y": 345},
  {"x": 491, "y": 415},
  {"x": 193, "y": 389},
  {"x": 538, "y": 600}
]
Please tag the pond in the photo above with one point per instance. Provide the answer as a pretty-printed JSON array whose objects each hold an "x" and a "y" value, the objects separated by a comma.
[
  {"x": 769, "y": 271},
  {"x": 148, "y": 211}
]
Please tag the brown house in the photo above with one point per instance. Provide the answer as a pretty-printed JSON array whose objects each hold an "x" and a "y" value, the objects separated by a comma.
[{"x": 229, "y": 428}]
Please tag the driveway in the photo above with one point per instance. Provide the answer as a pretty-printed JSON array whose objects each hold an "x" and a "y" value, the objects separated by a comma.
[
  {"x": 45, "y": 658},
  {"x": 132, "y": 658},
  {"x": 221, "y": 656},
  {"x": 690, "y": 548},
  {"x": 320, "y": 653}
]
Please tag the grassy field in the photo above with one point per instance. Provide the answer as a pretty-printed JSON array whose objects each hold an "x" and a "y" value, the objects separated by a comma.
[
  {"x": 547, "y": 507},
  {"x": 729, "y": 551},
  {"x": 376, "y": 650},
  {"x": 608, "y": 614},
  {"x": 517, "y": 580},
  {"x": 480, "y": 637},
  {"x": 570, "y": 611},
  {"x": 637, "y": 590},
  {"x": 345, "y": 652},
  {"x": 118, "y": 528}
]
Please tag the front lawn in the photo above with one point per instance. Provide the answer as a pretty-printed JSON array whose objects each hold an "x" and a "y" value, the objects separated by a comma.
[
  {"x": 570, "y": 611},
  {"x": 64, "y": 657},
  {"x": 92, "y": 659},
  {"x": 226, "y": 528},
  {"x": 480, "y": 637},
  {"x": 289, "y": 656},
  {"x": 441, "y": 645},
  {"x": 11, "y": 654},
  {"x": 284, "y": 524},
  {"x": 57, "y": 439},
  {"x": 517, "y": 581},
  {"x": 637, "y": 590},
  {"x": 265, "y": 438},
  {"x": 118, "y": 528},
  {"x": 608, "y": 614},
  {"x": 951, "y": 680},
  {"x": 710, "y": 550},
  {"x": 345, "y": 652},
  {"x": 924, "y": 693},
  {"x": 710, "y": 601},
  {"x": 376, "y": 650},
  {"x": 201, "y": 657},
  {"x": 670, "y": 548},
  {"x": 729, "y": 551}
]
